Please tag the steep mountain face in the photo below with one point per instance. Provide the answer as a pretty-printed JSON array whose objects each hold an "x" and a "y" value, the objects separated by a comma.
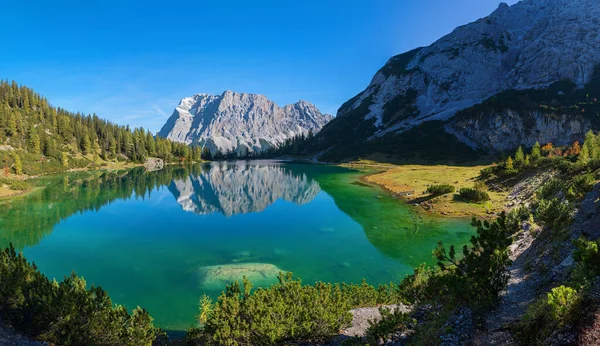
[
  {"x": 240, "y": 122},
  {"x": 240, "y": 188},
  {"x": 533, "y": 46}
]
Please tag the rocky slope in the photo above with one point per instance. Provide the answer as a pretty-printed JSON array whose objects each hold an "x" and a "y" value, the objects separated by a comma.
[
  {"x": 240, "y": 122},
  {"x": 243, "y": 189},
  {"x": 525, "y": 52}
]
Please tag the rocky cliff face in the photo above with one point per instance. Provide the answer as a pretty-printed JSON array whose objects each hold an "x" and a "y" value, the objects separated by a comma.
[
  {"x": 502, "y": 130},
  {"x": 240, "y": 122},
  {"x": 240, "y": 188},
  {"x": 527, "y": 46}
]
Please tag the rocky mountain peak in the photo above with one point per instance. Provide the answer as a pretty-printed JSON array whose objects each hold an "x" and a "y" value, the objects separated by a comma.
[
  {"x": 529, "y": 45},
  {"x": 240, "y": 122}
]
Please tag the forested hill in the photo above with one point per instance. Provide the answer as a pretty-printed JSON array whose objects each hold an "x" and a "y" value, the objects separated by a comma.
[{"x": 36, "y": 137}]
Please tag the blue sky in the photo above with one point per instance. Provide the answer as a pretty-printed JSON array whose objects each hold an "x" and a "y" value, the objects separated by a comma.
[{"x": 131, "y": 61}]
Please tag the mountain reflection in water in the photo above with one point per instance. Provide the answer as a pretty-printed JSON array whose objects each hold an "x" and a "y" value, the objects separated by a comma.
[{"x": 240, "y": 188}]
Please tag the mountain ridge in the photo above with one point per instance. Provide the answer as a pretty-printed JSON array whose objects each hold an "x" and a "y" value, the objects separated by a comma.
[
  {"x": 531, "y": 45},
  {"x": 243, "y": 123}
]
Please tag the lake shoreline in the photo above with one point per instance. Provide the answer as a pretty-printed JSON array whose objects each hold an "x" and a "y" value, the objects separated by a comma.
[
  {"x": 382, "y": 175},
  {"x": 389, "y": 177}
]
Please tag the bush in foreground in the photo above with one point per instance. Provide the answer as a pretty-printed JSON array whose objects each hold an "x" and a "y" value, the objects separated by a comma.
[
  {"x": 66, "y": 313},
  {"x": 481, "y": 274},
  {"x": 552, "y": 312},
  {"x": 286, "y": 311},
  {"x": 555, "y": 214}
]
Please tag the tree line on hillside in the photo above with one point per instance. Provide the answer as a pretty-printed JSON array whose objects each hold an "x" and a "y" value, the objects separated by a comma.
[
  {"x": 51, "y": 138},
  {"x": 574, "y": 158}
]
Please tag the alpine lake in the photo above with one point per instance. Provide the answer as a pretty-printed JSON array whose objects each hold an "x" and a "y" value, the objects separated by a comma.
[{"x": 162, "y": 239}]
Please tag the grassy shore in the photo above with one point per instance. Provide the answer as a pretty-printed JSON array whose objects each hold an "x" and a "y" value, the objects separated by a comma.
[{"x": 399, "y": 179}]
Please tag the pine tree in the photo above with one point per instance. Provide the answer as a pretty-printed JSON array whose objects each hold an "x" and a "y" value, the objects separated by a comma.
[
  {"x": 584, "y": 156},
  {"x": 590, "y": 143},
  {"x": 18, "y": 166},
  {"x": 64, "y": 159},
  {"x": 34, "y": 143},
  {"x": 11, "y": 126},
  {"x": 112, "y": 147},
  {"x": 520, "y": 157},
  {"x": 85, "y": 144},
  {"x": 50, "y": 147},
  {"x": 150, "y": 145},
  {"x": 536, "y": 152},
  {"x": 509, "y": 166}
]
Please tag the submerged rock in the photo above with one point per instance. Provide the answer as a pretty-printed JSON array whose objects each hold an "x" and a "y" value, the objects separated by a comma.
[{"x": 261, "y": 274}]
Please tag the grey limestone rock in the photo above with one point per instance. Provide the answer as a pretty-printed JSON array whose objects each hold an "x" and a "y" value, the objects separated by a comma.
[{"x": 240, "y": 122}]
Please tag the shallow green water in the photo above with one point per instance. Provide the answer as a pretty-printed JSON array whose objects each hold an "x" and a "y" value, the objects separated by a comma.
[{"x": 161, "y": 239}]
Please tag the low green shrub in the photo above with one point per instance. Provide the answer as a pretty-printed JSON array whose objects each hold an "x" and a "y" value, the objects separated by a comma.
[
  {"x": 287, "y": 310},
  {"x": 487, "y": 172},
  {"x": 18, "y": 185},
  {"x": 66, "y": 313},
  {"x": 562, "y": 302},
  {"x": 536, "y": 325},
  {"x": 386, "y": 330},
  {"x": 555, "y": 213},
  {"x": 481, "y": 274},
  {"x": 417, "y": 288},
  {"x": 594, "y": 164},
  {"x": 564, "y": 165},
  {"x": 551, "y": 188},
  {"x": 588, "y": 253},
  {"x": 363, "y": 294},
  {"x": 78, "y": 163},
  {"x": 587, "y": 258},
  {"x": 560, "y": 307},
  {"x": 474, "y": 195},
  {"x": 520, "y": 213},
  {"x": 581, "y": 185},
  {"x": 438, "y": 190}
]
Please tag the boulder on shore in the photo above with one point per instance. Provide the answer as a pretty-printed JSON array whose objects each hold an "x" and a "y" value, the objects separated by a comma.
[{"x": 154, "y": 164}]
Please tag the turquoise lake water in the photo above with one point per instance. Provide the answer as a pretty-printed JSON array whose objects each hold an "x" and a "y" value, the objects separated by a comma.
[{"x": 160, "y": 240}]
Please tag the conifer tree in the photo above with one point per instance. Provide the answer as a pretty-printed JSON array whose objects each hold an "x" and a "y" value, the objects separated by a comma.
[
  {"x": 18, "y": 166},
  {"x": 520, "y": 157},
  {"x": 536, "y": 152},
  {"x": 584, "y": 156},
  {"x": 112, "y": 147},
  {"x": 150, "y": 145},
  {"x": 64, "y": 159},
  {"x": 11, "y": 126},
  {"x": 85, "y": 144},
  {"x": 509, "y": 166},
  {"x": 34, "y": 142}
]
